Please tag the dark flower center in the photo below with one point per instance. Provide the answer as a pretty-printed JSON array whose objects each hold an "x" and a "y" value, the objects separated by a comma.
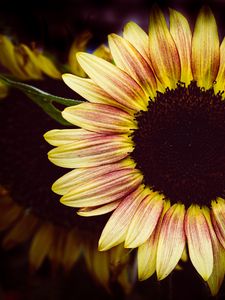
[{"x": 180, "y": 144}]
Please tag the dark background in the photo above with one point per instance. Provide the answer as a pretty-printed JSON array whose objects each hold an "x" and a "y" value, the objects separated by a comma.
[{"x": 54, "y": 25}]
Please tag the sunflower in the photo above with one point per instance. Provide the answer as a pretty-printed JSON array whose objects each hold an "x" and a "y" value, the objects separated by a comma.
[{"x": 150, "y": 144}]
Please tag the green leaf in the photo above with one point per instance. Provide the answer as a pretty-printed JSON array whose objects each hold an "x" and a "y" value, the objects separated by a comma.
[{"x": 42, "y": 99}]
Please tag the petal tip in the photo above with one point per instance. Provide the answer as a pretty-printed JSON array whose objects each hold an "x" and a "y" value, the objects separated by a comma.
[
  {"x": 81, "y": 55},
  {"x": 102, "y": 247},
  {"x": 65, "y": 76},
  {"x": 161, "y": 276},
  {"x": 55, "y": 188},
  {"x": 206, "y": 10},
  {"x": 46, "y": 136}
]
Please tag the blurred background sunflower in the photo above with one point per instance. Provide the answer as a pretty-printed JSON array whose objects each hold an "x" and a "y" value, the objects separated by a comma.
[
  {"x": 45, "y": 239},
  {"x": 47, "y": 252}
]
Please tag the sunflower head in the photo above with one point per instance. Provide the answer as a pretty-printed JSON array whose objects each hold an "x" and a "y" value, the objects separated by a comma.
[{"x": 150, "y": 144}]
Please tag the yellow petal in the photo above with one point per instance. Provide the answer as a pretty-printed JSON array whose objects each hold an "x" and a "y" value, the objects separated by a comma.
[
  {"x": 89, "y": 90},
  {"x": 58, "y": 137},
  {"x": 138, "y": 38},
  {"x": 99, "y": 118},
  {"x": 147, "y": 252},
  {"x": 199, "y": 241},
  {"x": 171, "y": 241},
  {"x": 114, "y": 81},
  {"x": 116, "y": 228},
  {"x": 91, "y": 152},
  {"x": 147, "y": 258},
  {"x": 205, "y": 49},
  {"x": 144, "y": 220},
  {"x": 98, "y": 210},
  {"x": 218, "y": 218},
  {"x": 104, "y": 189},
  {"x": 216, "y": 279},
  {"x": 181, "y": 33},
  {"x": 131, "y": 61},
  {"x": 163, "y": 51},
  {"x": 77, "y": 177}
]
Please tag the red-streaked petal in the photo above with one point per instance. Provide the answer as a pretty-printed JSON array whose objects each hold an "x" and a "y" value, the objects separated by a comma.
[
  {"x": 217, "y": 276},
  {"x": 147, "y": 258},
  {"x": 205, "y": 49},
  {"x": 181, "y": 33},
  {"x": 171, "y": 241},
  {"x": 114, "y": 81},
  {"x": 199, "y": 241},
  {"x": 162, "y": 50},
  {"x": 104, "y": 189},
  {"x": 131, "y": 61},
  {"x": 147, "y": 252},
  {"x": 138, "y": 38},
  {"x": 98, "y": 210},
  {"x": 144, "y": 220},
  {"x": 66, "y": 183},
  {"x": 218, "y": 219},
  {"x": 99, "y": 118},
  {"x": 116, "y": 228},
  {"x": 58, "y": 137},
  {"x": 97, "y": 151},
  {"x": 89, "y": 90}
]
